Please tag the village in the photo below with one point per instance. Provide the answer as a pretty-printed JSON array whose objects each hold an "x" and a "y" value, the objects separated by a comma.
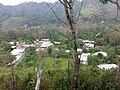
[{"x": 18, "y": 49}]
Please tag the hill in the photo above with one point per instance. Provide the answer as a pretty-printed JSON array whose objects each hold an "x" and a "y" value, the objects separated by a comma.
[{"x": 36, "y": 14}]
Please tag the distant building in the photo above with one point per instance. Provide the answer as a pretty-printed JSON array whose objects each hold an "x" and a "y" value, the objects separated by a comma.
[
  {"x": 87, "y": 41},
  {"x": 17, "y": 51},
  {"x": 11, "y": 43},
  {"x": 57, "y": 42},
  {"x": 79, "y": 50},
  {"x": 44, "y": 43},
  {"x": 107, "y": 66},
  {"x": 19, "y": 48},
  {"x": 83, "y": 57},
  {"x": 88, "y": 45}
]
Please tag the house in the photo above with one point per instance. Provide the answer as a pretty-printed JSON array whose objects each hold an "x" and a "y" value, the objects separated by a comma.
[
  {"x": 13, "y": 47},
  {"x": 87, "y": 41},
  {"x": 107, "y": 66},
  {"x": 83, "y": 57},
  {"x": 79, "y": 50},
  {"x": 67, "y": 51},
  {"x": 88, "y": 45},
  {"x": 11, "y": 43},
  {"x": 57, "y": 42},
  {"x": 45, "y": 40},
  {"x": 17, "y": 51},
  {"x": 46, "y": 44}
]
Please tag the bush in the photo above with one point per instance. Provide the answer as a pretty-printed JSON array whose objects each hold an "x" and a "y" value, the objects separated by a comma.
[{"x": 93, "y": 60}]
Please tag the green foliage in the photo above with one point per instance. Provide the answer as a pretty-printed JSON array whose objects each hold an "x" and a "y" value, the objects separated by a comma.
[
  {"x": 117, "y": 50},
  {"x": 100, "y": 41},
  {"x": 111, "y": 55},
  {"x": 100, "y": 55},
  {"x": 96, "y": 79},
  {"x": 91, "y": 50},
  {"x": 50, "y": 49},
  {"x": 93, "y": 60},
  {"x": 62, "y": 84},
  {"x": 5, "y": 47},
  {"x": 112, "y": 36},
  {"x": 24, "y": 78},
  {"x": 30, "y": 58},
  {"x": 90, "y": 78},
  {"x": 104, "y": 1}
]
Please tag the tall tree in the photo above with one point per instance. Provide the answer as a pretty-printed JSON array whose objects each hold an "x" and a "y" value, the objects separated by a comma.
[{"x": 72, "y": 20}]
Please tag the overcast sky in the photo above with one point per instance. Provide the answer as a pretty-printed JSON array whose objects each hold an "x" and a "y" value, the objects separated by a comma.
[{"x": 15, "y": 2}]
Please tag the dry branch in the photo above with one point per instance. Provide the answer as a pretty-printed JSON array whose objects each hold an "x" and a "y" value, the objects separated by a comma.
[{"x": 39, "y": 75}]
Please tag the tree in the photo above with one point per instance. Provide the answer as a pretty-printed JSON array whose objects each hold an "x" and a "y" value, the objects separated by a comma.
[
  {"x": 71, "y": 24},
  {"x": 117, "y": 50},
  {"x": 93, "y": 60},
  {"x": 69, "y": 12}
]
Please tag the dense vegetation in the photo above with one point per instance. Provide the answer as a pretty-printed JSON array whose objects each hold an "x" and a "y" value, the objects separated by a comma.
[{"x": 27, "y": 22}]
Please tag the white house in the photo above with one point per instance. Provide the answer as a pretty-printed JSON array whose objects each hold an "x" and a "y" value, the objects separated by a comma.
[
  {"x": 79, "y": 50},
  {"x": 17, "y": 51},
  {"x": 107, "y": 66},
  {"x": 46, "y": 44},
  {"x": 83, "y": 57},
  {"x": 87, "y": 41},
  {"x": 88, "y": 45},
  {"x": 11, "y": 43},
  {"x": 57, "y": 42}
]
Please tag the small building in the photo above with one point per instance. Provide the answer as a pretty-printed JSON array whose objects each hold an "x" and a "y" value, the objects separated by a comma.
[
  {"x": 46, "y": 44},
  {"x": 67, "y": 51},
  {"x": 79, "y": 50},
  {"x": 107, "y": 66},
  {"x": 83, "y": 57},
  {"x": 45, "y": 40},
  {"x": 88, "y": 45},
  {"x": 17, "y": 51},
  {"x": 87, "y": 41},
  {"x": 13, "y": 47},
  {"x": 57, "y": 42},
  {"x": 11, "y": 43}
]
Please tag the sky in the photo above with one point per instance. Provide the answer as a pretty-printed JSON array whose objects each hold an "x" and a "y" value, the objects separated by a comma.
[{"x": 15, "y": 2}]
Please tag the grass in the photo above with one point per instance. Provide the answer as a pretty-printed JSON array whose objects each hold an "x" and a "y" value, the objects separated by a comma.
[{"x": 54, "y": 63}]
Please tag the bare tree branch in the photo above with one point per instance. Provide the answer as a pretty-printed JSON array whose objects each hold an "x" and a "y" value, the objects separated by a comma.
[
  {"x": 115, "y": 2},
  {"x": 63, "y": 4},
  {"x": 67, "y": 11},
  {"x": 39, "y": 75},
  {"x": 79, "y": 12},
  {"x": 57, "y": 15},
  {"x": 118, "y": 8}
]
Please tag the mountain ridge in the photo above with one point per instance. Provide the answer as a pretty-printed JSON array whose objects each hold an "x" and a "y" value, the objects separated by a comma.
[{"x": 35, "y": 14}]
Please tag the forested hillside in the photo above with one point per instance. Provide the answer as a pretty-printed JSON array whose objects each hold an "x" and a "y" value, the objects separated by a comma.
[{"x": 36, "y": 14}]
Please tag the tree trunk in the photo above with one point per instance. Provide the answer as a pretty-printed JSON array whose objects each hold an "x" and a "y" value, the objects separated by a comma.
[
  {"x": 13, "y": 79},
  {"x": 76, "y": 61},
  {"x": 39, "y": 75},
  {"x": 118, "y": 74},
  {"x": 69, "y": 67}
]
